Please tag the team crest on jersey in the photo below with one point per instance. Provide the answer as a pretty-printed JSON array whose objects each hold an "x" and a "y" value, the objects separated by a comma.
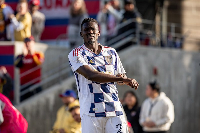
[
  {"x": 109, "y": 59},
  {"x": 91, "y": 61}
]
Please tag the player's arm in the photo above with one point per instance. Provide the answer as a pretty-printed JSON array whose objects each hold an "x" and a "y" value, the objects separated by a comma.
[{"x": 96, "y": 76}]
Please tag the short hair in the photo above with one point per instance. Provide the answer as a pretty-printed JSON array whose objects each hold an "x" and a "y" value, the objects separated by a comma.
[
  {"x": 155, "y": 86},
  {"x": 87, "y": 20},
  {"x": 73, "y": 108}
]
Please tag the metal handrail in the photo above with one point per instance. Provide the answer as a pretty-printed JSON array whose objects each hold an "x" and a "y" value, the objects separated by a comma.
[
  {"x": 119, "y": 37},
  {"x": 45, "y": 81},
  {"x": 46, "y": 75}
]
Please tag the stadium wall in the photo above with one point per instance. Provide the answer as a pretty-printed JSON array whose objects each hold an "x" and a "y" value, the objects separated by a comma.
[{"x": 178, "y": 73}]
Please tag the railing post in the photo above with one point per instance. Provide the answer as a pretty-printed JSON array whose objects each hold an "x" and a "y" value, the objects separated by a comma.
[
  {"x": 17, "y": 87},
  {"x": 172, "y": 29},
  {"x": 138, "y": 32}
]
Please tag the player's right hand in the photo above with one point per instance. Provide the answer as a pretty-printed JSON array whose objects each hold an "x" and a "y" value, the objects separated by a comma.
[{"x": 131, "y": 82}]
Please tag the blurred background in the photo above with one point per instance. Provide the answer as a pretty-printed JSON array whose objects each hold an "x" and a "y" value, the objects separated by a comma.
[{"x": 156, "y": 40}]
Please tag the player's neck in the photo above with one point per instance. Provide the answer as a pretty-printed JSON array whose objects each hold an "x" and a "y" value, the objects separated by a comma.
[{"x": 94, "y": 47}]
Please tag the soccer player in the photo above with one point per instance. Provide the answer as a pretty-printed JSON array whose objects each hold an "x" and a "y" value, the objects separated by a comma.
[{"x": 96, "y": 69}]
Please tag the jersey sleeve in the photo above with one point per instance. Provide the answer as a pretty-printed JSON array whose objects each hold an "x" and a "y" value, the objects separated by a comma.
[
  {"x": 120, "y": 68},
  {"x": 76, "y": 60}
]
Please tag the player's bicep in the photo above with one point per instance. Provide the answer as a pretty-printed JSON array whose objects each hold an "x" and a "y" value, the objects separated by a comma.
[{"x": 86, "y": 71}]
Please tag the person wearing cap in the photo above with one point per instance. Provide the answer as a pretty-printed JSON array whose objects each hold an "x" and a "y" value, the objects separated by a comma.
[
  {"x": 38, "y": 20},
  {"x": 22, "y": 22},
  {"x": 29, "y": 59},
  {"x": 65, "y": 123},
  {"x": 157, "y": 113}
]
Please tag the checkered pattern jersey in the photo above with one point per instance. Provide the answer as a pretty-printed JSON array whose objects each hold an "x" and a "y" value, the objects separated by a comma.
[{"x": 97, "y": 99}]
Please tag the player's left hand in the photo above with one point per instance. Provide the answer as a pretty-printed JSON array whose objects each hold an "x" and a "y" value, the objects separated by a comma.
[
  {"x": 131, "y": 82},
  {"x": 134, "y": 84}
]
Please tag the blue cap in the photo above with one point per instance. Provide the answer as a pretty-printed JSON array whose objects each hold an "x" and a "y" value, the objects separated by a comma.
[{"x": 69, "y": 93}]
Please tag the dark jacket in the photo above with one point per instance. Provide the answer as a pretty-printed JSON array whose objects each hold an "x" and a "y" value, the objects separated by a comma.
[
  {"x": 133, "y": 117},
  {"x": 7, "y": 84},
  {"x": 132, "y": 26}
]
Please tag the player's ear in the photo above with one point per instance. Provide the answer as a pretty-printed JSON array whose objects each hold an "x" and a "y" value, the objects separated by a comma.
[
  {"x": 81, "y": 34},
  {"x": 99, "y": 33}
]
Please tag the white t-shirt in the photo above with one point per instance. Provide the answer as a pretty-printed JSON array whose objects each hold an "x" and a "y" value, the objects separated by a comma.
[
  {"x": 160, "y": 111},
  {"x": 97, "y": 99}
]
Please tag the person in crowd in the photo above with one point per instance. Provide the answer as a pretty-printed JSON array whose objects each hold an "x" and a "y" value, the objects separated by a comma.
[
  {"x": 130, "y": 12},
  {"x": 11, "y": 120},
  {"x": 65, "y": 123},
  {"x": 157, "y": 113},
  {"x": 78, "y": 12},
  {"x": 74, "y": 108},
  {"x": 5, "y": 11},
  {"x": 109, "y": 17},
  {"x": 29, "y": 63},
  {"x": 38, "y": 20},
  {"x": 6, "y": 83},
  {"x": 22, "y": 22},
  {"x": 132, "y": 110}
]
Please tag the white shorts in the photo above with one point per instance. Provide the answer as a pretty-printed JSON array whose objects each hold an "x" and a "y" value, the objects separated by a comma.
[{"x": 116, "y": 124}]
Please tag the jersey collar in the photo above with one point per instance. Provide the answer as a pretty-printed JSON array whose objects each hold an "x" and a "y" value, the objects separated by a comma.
[{"x": 102, "y": 48}]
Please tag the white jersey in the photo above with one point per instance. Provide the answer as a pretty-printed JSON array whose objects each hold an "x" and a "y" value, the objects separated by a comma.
[{"x": 97, "y": 99}]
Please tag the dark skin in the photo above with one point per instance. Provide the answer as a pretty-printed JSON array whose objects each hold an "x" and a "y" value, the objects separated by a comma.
[{"x": 90, "y": 33}]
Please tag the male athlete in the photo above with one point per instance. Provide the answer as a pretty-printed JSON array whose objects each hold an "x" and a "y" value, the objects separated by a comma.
[{"x": 96, "y": 69}]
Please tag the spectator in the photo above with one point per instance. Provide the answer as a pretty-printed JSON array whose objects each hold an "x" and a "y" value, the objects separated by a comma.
[
  {"x": 132, "y": 110},
  {"x": 130, "y": 13},
  {"x": 6, "y": 84},
  {"x": 78, "y": 12},
  {"x": 22, "y": 22},
  {"x": 109, "y": 17},
  {"x": 74, "y": 108},
  {"x": 5, "y": 11},
  {"x": 64, "y": 122},
  {"x": 30, "y": 61},
  {"x": 11, "y": 120},
  {"x": 38, "y": 20},
  {"x": 157, "y": 113}
]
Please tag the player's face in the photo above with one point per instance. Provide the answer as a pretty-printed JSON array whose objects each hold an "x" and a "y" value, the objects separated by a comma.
[
  {"x": 149, "y": 91},
  {"x": 76, "y": 115},
  {"x": 90, "y": 32},
  {"x": 67, "y": 100}
]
